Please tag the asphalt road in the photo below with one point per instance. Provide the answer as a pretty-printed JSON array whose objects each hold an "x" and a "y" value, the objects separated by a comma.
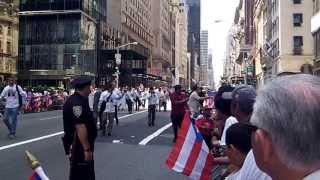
[{"x": 117, "y": 157}]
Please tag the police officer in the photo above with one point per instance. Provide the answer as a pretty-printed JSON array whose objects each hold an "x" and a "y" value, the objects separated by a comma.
[{"x": 80, "y": 131}]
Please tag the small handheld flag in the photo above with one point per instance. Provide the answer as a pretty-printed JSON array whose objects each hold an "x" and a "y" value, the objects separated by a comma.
[{"x": 38, "y": 172}]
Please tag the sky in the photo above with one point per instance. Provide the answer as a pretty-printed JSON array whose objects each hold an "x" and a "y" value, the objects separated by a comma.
[{"x": 222, "y": 10}]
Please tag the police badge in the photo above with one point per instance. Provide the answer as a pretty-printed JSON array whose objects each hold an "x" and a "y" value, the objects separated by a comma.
[{"x": 77, "y": 111}]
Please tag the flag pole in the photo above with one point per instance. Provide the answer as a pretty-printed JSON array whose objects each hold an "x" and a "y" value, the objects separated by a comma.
[{"x": 35, "y": 165}]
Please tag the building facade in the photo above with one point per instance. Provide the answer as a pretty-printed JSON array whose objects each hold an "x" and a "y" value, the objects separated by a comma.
[
  {"x": 211, "y": 71},
  {"x": 57, "y": 41},
  {"x": 8, "y": 38},
  {"x": 204, "y": 57},
  {"x": 136, "y": 26},
  {"x": 181, "y": 38},
  {"x": 194, "y": 19},
  {"x": 162, "y": 50},
  {"x": 291, "y": 40},
  {"x": 315, "y": 30}
]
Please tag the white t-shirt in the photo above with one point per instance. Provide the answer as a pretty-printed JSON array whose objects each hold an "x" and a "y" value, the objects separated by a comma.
[
  {"x": 109, "y": 101},
  {"x": 194, "y": 102},
  {"x": 250, "y": 170},
  {"x": 314, "y": 176},
  {"x": 11, "y": 95},
  {"x": 229, "y": 122}
]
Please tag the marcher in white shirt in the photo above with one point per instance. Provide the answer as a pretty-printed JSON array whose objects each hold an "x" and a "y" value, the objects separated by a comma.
[
  {"x": 194, "y": 101},
  {"x": 12, "y": 93},
  {"x": 152, "y": 105},
  {"x": 108, "y": 97},
  {"x": 116, "y": 103}
]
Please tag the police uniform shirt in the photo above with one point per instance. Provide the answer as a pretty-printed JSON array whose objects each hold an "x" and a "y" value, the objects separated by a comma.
[{"x": 77, "y": 110}]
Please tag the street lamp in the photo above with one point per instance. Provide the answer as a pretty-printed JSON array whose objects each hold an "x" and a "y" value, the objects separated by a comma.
[{"x": 118, "y": 59}]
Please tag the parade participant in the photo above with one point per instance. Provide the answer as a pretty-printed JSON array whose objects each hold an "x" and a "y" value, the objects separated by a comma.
[
  {"x": 108, "y": 97},
  {"x": 194, "y": 102},
  {"x": 161, "y": 99},
  {"x": 286, "y": 115},
  {"x": 80, "y": 131},
  {"x": 152, "y": 102},
  {"x": 129, "y": 99},
  {"x": 178, "y": 104},
  {"x": 116, "y": 103},
  {"x": 14, "y": 96}
]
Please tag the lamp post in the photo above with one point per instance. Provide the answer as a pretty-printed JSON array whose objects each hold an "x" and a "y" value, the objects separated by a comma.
[{"x": 118, "y": 60}]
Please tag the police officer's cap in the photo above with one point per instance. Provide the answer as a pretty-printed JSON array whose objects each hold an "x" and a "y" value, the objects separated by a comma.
[{"x": 81, "y": 82}]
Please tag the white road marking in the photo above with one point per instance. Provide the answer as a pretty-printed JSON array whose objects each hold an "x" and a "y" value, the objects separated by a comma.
[
  {"x": 30, "y": 141},
  {"x": 51, "y": 135},
  {"x": 154, "y": 135},
  {"x": 54, "y": 117}
]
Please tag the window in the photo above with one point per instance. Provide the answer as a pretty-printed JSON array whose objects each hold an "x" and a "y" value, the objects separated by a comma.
[
  {"x": 9, "y": 30},
  {"x": 297, "y": 41},
  {"x": 297, "y": 19},
  {"x": 1, "y": 47},
  {"x": 9, "y": 47},
  {"x": 296, "y": 1},
  {"x": 1, "y": 29}
]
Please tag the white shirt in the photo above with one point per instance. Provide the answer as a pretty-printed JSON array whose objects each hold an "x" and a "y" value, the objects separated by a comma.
[
  {"x": 109, "y": 101},
  {"x": 153, "y": 99},
  {"x": 229, "y": 122},
  {"x": 314, "y": 176},
  {"x": 11, "y": 95},
  {"x": 116, "y": 102},
  {"x": 91, "y": 99},
  {"x": 194, "y": 102},
  {"x": 250, "y": 170},
  {"x": 233, "y": 176}
]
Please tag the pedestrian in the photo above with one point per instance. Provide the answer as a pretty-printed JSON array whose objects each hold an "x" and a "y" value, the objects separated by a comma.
[
  {"x": 195, "y": 100},
  {"x": 97, "y": 115},
  {"x": 286, "y": 117},
  {"x": 80, "y": 131},
  {"x": 129, "y": 99},
  {"x": 108, "y": 97},
  {"x": 178, "y": 103},
  {"x": 116, "y": 103},
  {"x": 243, "y": 99},
  {"x": 137, "y": 97},
  {"x": 15, "y": 99},
  {"x": 152, "y": 105}
]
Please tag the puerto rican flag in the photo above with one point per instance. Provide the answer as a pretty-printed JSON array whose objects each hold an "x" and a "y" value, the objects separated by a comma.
[
  {"x": 190, "y": 155},
  {"x": 38, "y": 174},
  {"x": 35, "y": 176}
]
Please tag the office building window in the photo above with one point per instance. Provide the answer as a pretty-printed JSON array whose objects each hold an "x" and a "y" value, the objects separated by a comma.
[
  {"x": 297, "y": 19},
  {"x": 296, "y": 1},
  {"x": 8, "y": 47},
  {"x": 298, "y": 41},
  {"x": 297, "y": 45}
]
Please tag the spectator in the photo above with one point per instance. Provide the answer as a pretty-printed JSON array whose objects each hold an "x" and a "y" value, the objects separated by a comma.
[
  {"x": 286, "y": 114},
  {"x": 243, "y": 99},
  {"x": 152, "y": 103},
  {"x": 238, "y": 140}
]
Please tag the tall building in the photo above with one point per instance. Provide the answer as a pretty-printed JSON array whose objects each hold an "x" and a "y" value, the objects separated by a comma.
[
  {"x": 181, "y": 39},
  {"x": 291, "y": 40},
  {"x": 194, "y": 19},
  {"x": 315, "y": 29},
  {"x": 57, "y": 41},
  {"x": 162, "y": 49},
  {"x": 204, "y": 57},
  {"x": 211, "y": 71},
  {"x": 8, "y": 38},
  {"x": 127, "y": 22}
]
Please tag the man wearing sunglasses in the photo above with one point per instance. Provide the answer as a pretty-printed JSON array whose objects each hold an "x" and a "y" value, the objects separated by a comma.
[{"x": 286, "y": 114}]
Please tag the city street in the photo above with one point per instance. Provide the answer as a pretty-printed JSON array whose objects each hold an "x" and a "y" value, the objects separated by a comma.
[{"x": 117, "y": 157}]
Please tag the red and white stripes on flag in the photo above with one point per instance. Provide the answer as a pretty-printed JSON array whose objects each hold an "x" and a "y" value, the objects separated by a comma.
[{"x": 190, "y": 155}]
